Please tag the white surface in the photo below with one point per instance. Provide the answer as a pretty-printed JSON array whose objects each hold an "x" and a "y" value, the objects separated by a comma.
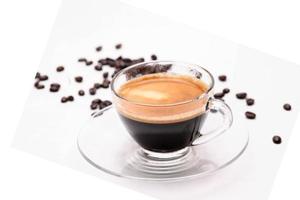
[
  {"x": 49, "y": 128},
  {"x": 27, "y": 178},
  {"x": 266, "y": 25}
]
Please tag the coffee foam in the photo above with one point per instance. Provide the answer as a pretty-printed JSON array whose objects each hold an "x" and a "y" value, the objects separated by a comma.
[
  {"x": 159, "y": 92},
  {"x": 160, "y": 89}
]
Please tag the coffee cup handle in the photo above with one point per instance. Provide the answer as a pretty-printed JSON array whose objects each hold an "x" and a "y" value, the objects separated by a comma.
[{"x": 216, "y": 107}]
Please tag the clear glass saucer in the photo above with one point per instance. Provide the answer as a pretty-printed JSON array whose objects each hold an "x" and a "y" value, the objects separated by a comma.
[{"x": 104, "y": 142}]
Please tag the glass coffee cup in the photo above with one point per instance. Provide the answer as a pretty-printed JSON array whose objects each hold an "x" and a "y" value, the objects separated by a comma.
[{"x": 162, "y": 129}]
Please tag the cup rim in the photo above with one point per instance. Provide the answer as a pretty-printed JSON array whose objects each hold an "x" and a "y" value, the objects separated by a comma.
[{"x": 204, "y": 95}]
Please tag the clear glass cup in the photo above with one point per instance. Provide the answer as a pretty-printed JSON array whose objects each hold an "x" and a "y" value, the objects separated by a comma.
[{"x": 161, "y": 139}]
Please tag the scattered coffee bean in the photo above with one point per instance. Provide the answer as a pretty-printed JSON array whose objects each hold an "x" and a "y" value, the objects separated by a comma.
[
  {"x": 197, "y": 74},
  {"x": 250, "y": 101},
  {"x": 140, "y": 60},
  {"x": 43, "y": 77},
  {"x": 277, "y": 139},
  {"x": 105, "y": 75},
  {"x": 102, "y": 61},
  {"x": 111, "y": 62},
  {"x": 70, "y": 98},
  {"x": 93, "y": 106},
  {"x": 37, "y": 75},
  {"x": 60, "y": 69},
  {"x": 64, "y": 99},
  {"x": 101, "y": 106},
  {"x": 250, "y": 115},
  {"x": 104, "y": 104},
  {"x": 78, "y": 79},
  {"x": 96, "y": 101},
  {"x": 219, "y": 95},
  {"x": 54, "y": 87},
  {"x": 222, "y": 78},
  {"x": 118, "y": 46},
  {"x": 97, "y": 85},
  {"x": 98, "y": 67},
  {"x": 226, "y": 90},
  {"x": 153, "y": 57},
  {"x": 125, "y": 60},
  {"x": 99, "y": 48},
  {"x": 107, "y": 103},
  {"x": 38, "y": 86},
  {"x": 82, "y": 60},
  {"x": 241, "y": 95},
  {"x": 118, "y": 64},
  {"x": 287, "y": 107},
  {"x": 105, "y": 83},
  {"x": 81, "y": 92},
  {"x": 92, "y": 91},
  {"x": 88, "y": 63}
]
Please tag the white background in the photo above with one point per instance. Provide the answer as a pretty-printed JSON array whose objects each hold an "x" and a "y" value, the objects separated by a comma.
[{"x": 25, "y": 26}]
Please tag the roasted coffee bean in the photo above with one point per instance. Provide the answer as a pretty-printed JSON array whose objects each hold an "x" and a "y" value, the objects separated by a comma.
[
  {"x": 70, "y": 98},
  {"x": 141, "y": 60},
  {"x": 101, "y": 105},
  {"x": 153, "y": 57},
  {"x": 111, "y": 62},
  {"x": 97, "y": 85},
  {"x": 43, "y": 78},
  {"x": 219, "y": 95},
  {"x": 118, "y": 46},
  {"x": 99, "y": 48},
  {"x": 93, "y": 106},
  {"x": 167, "y": 67},
  {"x": 197, "y": 74},
  {"x": 81, "y": 92},
  {"x": 107, "y": 103},
  {"x": 105, "y": 75},
  {"x": 89, "y": 63},
  {"x": 105, "y": 83},
  {"x": 277, "y": 139},
  {"x": 250, "y": 115},
  {"x": 82, "y": 60},
  {"x": 60, "y": 69},
  {"x": 120, "y": 64},
  {"x": 98, "y": 67},
  {"x": 222, "y": 78},
  {"x": 38, "y": 86},
  {"x": 137, "y": 61},
  {"x": 96, "y": 101},
  {"x": 287, "y": 107},
  {"x": 64, "y": 99},
  {"x": 226, "y": 90},
  {"x": 241, "y": 95},
  {"x": 160, "y": 68},
  {"x": 250, "y": 101},
  {"x": 127, "y": 61},
  {"x": 119, "y": 58},
  {"x": 102, "y": 61},
  {"x": 54, "y": 87},
  {"x": 78, "y": 79},
  {"x": 92, "y": 91},
  {"x": 37, "y": 75},
  {"x": 104, "y": 104}
]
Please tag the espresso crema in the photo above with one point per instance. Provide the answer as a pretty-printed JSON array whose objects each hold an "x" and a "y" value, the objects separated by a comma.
[{"x": 162, "y": 98}]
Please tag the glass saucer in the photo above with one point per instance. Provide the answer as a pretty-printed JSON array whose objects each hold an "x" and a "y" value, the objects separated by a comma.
[{"x": 104, "y": 142}]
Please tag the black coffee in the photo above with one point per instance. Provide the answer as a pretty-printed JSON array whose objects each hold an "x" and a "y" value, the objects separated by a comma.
[
  {"x": 164, "y": 137},
  {"x": 154, "y": 112}
]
